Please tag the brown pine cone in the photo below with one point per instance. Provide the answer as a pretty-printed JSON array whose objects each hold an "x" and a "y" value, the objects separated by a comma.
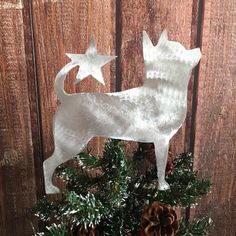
[{"x": 159, "y": 220}]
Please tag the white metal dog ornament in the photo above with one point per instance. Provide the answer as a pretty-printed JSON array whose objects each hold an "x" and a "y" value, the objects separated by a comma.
[{"x": 150, "y": 113}]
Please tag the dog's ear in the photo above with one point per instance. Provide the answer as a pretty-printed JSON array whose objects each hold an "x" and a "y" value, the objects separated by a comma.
[
  {"x": 147, "y": 46},
  {"x": 164, "y": 37},
  {"x": 147, "y": 43},
  {"x": 195, "y": 55}
]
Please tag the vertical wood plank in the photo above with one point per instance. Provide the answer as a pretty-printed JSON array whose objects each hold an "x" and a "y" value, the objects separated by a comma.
[
  {"x": 152, "y": 16},
  {"x": 66, "y": 27},
  {"x": 17, "y": 177},
  {"x": 215, "y": 138}
]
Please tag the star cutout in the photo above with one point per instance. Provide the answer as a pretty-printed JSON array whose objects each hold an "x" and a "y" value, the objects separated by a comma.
[{"x": 90, "y": 63}]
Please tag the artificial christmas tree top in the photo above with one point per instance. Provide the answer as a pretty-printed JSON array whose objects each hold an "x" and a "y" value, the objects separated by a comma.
[{"x": 113, "y": 201}]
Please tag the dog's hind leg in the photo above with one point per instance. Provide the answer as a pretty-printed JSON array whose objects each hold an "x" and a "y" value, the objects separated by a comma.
[
  {"x": 161, "y": 152},
  {"x": 49, "y": 167},
  {"x": 61, "y": 154}
]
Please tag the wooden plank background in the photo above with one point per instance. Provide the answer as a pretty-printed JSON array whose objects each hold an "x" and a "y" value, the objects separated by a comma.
[
  {"x": 67, "y": 26},
  {"x": 18, "y": 120},
  {"x": 34, "y": 37},
  {"x": 215, "y": 140}
]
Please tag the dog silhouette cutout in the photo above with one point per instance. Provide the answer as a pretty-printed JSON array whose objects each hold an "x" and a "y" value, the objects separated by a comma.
[{"x": 152, "y": 112}]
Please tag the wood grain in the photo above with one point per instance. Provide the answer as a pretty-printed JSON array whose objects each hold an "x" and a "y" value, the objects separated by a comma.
[
  {"x": 17, "y": 177},
  {"x": 66, "y": 27},
  {"x": 215, "y": 139},
  {"x": 152, "y": 16}
]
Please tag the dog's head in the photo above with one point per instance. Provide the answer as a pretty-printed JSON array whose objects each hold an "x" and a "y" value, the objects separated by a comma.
[{"x": 168, "y": 55}]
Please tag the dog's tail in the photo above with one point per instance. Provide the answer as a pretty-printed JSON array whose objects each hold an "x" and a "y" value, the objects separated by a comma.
[{"x": 59, "y": 81}]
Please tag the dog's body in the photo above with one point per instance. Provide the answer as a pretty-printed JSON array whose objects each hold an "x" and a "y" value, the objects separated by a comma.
[{"x": 150, "y": 113}]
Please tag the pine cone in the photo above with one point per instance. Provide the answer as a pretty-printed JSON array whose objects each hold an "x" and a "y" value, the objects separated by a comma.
[{"x": 159, "y": 220}]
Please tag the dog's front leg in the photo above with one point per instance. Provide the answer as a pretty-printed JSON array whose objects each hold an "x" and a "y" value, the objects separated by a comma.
[{"x": 161, "y": 152}]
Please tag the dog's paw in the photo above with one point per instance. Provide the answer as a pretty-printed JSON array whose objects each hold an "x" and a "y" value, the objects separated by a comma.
[
  {"x": 163, "y": 185},
  {"x": 52, "y": 189}
]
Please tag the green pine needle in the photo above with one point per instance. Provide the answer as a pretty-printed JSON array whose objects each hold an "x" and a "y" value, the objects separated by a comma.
[
  {"x": 186, "y": 187},
  {"x": 86, "y": 160},
  {"x": 198, "y": 227},
  {"x": 114, "y": 198},
  {"x": 55, "y": 230}
]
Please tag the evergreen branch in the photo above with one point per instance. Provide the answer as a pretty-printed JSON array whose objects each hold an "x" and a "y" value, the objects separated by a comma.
[
  {"x": 77, "y": 181},
  {"x": 114, "y": 199},
  {"x": 88, "y": 161},
  {"x": 185, "y": 187},
  {"x": 81, "y": 210},
  {"x": 55, "y": 230},
  {"x": 44, "y": 210},
  {"x": 199, "y": 227},
  {"x": 115, "y": 178}
]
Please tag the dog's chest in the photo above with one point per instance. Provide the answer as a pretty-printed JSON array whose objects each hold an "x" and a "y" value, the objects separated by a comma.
[{"x": 154, "y": 106}]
